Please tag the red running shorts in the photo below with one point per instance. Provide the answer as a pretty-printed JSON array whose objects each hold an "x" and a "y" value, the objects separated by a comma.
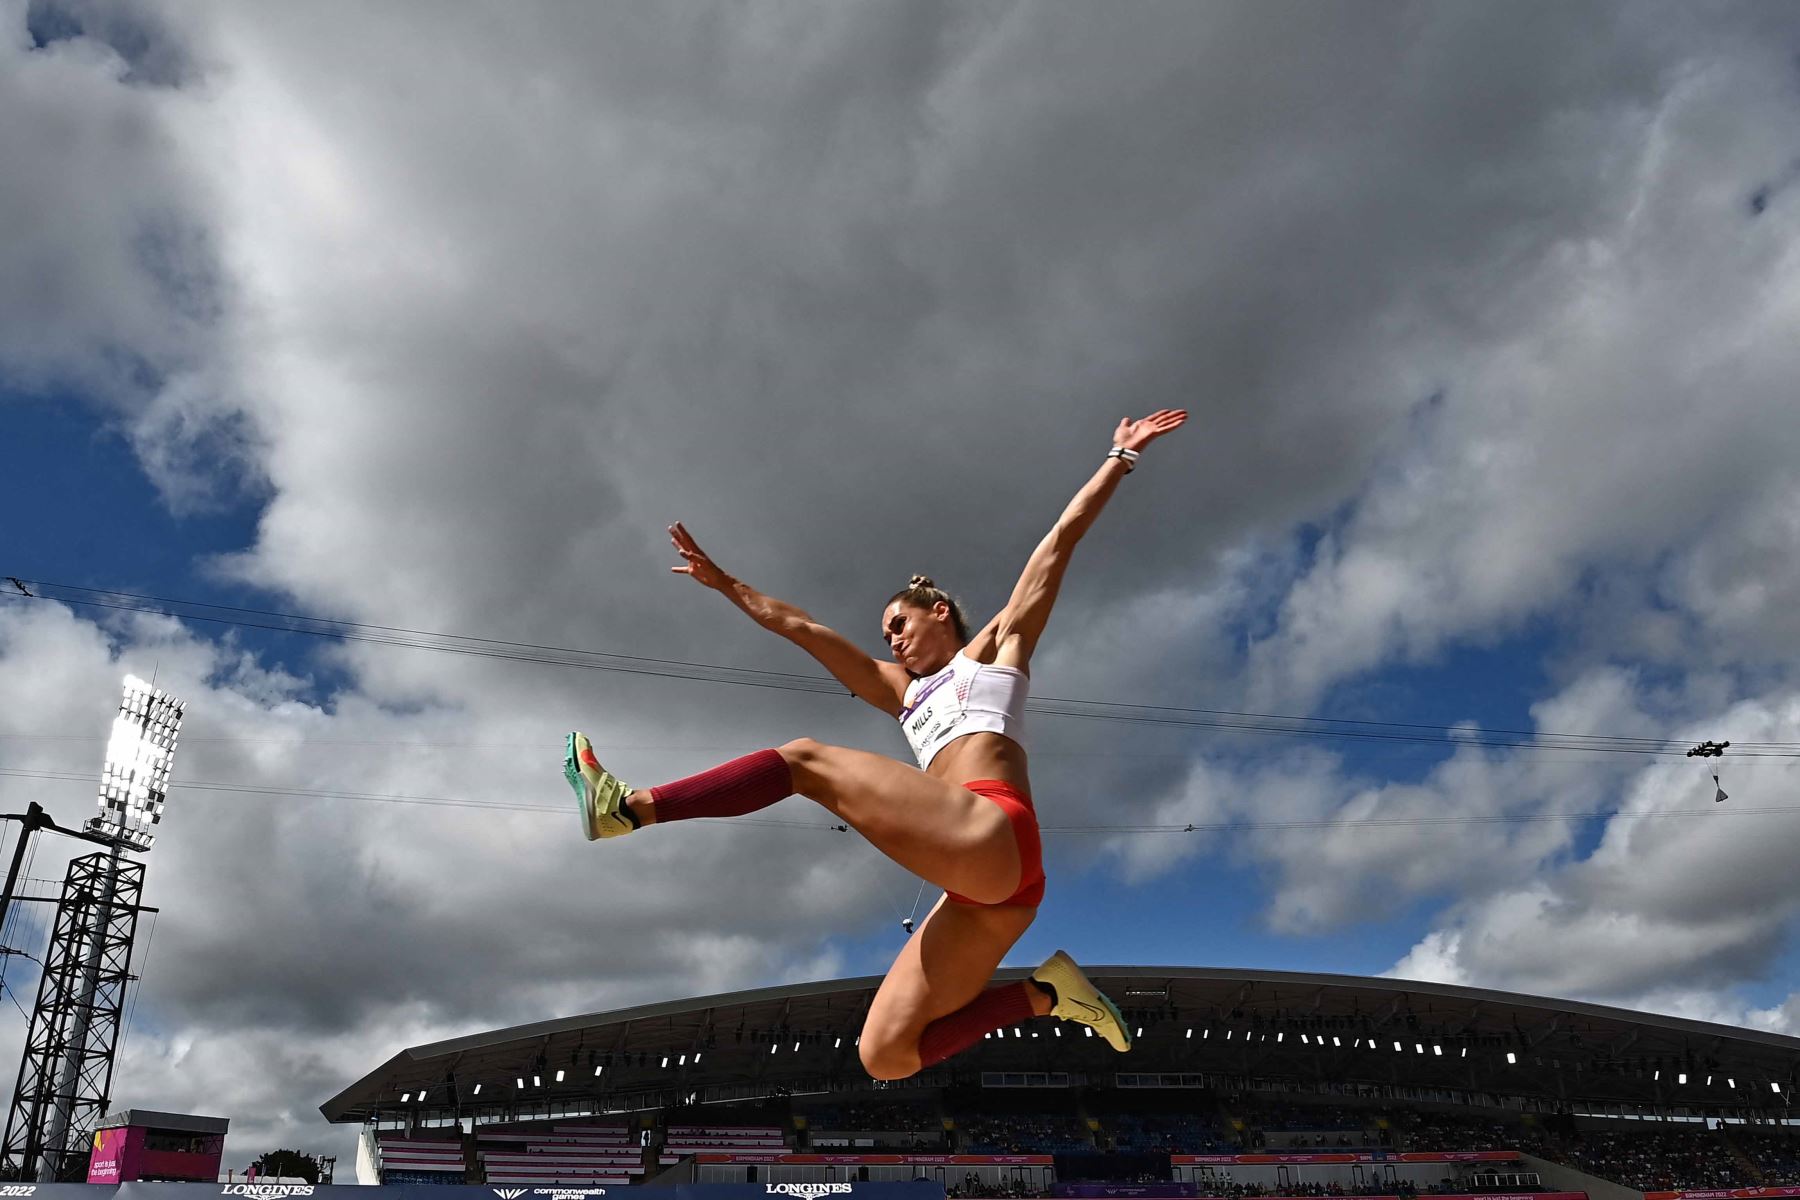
[{"x": 1017, "y": 807}]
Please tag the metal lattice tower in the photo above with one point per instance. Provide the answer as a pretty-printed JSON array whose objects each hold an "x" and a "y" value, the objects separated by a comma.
[{"x": 65, "y": 1076}]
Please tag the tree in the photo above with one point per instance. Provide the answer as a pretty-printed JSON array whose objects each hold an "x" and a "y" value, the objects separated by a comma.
[{"x": 288, "y": 1162}]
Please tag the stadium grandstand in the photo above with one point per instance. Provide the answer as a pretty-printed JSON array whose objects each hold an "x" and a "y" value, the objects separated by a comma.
[{"x": 1241, "y": 1084}]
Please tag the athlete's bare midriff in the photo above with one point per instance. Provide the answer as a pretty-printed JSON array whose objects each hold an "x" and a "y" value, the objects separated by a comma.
[{"x": 982, "y": 756}]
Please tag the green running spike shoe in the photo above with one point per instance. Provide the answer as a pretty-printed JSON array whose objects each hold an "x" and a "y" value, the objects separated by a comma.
[
  {"x": 1078, "y": 1000},
  {"x": 599, "y": 794}
]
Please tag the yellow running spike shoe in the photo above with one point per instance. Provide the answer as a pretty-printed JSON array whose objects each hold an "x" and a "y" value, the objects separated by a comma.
[
  {"x": 1078, "y": 1000},
  {"x": 599, "y": 794}
]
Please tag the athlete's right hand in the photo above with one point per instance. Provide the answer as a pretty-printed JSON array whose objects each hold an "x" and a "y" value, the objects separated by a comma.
[{"x": 698, "y": 567}]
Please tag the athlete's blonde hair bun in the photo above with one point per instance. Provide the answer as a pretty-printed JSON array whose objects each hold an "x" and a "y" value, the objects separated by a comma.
[{"x": 922, "y": 581}]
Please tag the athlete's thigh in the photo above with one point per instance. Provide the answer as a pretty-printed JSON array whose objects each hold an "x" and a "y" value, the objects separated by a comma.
[
  {"x": 944, "y": 965},
  {"x": 940, "y": 831}
]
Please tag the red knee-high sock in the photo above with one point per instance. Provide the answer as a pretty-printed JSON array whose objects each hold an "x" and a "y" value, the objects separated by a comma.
[
  {"x": 740, "y": 786},
  {"x": 994, "y": 1009}
]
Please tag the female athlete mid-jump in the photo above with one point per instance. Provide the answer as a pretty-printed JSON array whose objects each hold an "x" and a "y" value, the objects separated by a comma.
[{"x": 962, "y": 820}]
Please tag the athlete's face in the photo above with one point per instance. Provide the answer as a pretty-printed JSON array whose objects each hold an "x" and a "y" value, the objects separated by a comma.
[{"x": 921, "y": 639}]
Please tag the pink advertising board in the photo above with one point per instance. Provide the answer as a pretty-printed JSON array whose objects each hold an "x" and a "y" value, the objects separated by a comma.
[
  {"x": 123, "y": 1154},
  {"x": 117, "y": 1155}
]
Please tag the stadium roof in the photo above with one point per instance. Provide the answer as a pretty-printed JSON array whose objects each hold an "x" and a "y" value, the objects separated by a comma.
[{"x": 1245, "y": 1025}]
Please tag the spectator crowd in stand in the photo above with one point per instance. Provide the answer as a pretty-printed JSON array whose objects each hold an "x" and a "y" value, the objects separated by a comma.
[
  {"x": 1419, "y": 1130},
  {"x": 1663, "y": 1160},
  {"x": 1024, "y": 1133},
  {"x": 1776, "y": 1155}
]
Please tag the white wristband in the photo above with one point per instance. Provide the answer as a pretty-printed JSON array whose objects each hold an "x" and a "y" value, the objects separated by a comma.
[{"x": 1128, "y": 457}]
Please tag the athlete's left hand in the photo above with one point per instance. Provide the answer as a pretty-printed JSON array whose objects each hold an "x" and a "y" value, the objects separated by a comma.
[{"x": 1135, "y": 435}]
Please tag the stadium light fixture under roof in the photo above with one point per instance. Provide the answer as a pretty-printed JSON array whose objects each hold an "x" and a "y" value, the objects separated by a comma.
[{"x": 134, "y": 783}]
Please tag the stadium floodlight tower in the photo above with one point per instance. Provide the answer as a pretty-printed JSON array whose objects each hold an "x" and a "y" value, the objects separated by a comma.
[{"x": 65, "y": 1077}]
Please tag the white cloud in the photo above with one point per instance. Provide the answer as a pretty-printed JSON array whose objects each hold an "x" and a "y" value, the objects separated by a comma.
[{"x": 1664, "y": 908}]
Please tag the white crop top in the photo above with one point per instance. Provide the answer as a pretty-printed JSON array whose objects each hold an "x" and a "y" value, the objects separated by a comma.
[{"x": 965, "y": 697}]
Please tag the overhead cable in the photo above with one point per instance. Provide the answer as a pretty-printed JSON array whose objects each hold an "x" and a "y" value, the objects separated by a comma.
[
  {"x": 1228, "y": 720},
  {"x": 1231, "y": 826}
]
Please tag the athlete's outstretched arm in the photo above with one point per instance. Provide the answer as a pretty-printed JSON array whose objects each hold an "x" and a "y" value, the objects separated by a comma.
[
  {"x": 881, "y": 684},
  {"x": 1015, "y": 631}
]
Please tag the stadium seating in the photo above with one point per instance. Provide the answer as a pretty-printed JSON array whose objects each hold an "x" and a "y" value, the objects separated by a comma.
[
  {"x": 420, "y": 1159},
  {"x": 1119, "y": 1135},
  {"x": 1023, "y": 1133},
  {"x": 896, "y": 1126},
  {"x": 560, "y": 1154},
  {"x": 1311, "y": 1118},
  {"x": 1655, "y": 1159},
  {"x": 1169, "y": 1133},
  {"x": 1444, "y": 1131},
  {"x": 1774, "y": 1155},
  {"x": 684, "y": 1140},
  {"x": 909, "y": 1118}
]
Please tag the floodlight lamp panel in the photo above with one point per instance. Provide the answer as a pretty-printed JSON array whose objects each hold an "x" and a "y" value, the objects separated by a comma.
[{"x": 134, "y": 779}]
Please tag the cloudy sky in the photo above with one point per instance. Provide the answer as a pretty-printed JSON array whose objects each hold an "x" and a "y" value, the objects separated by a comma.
[{"x": 434, "y": 316}]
